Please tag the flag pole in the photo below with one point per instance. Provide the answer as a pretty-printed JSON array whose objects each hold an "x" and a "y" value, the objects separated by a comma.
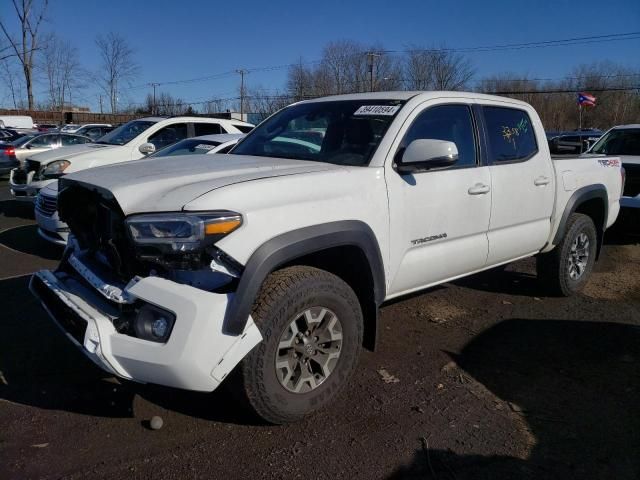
[{"x": 579, "y": 116}]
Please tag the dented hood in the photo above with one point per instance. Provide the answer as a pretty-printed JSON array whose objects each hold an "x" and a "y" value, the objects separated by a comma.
[{"x": 169, "y": 183}]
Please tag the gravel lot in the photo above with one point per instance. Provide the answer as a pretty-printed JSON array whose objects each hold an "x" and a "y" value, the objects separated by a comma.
[{"x": 483, "y": 378}]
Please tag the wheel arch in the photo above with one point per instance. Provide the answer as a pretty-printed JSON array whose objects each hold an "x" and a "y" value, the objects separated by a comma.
[
  {"x": 343, "y": 248},
  {"x": 592, "y": 201}
]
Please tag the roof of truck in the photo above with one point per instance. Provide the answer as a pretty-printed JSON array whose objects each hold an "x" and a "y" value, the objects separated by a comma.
[{"x": 402, "y": 95}]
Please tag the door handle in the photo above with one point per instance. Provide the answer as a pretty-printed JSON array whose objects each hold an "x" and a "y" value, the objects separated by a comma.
[
  {"x": 538, "y": 182},
  {"x": 479, "y": 189}
]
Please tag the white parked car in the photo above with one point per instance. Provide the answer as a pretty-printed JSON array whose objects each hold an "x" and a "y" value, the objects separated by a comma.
[
  {"x": 131, "y": 141},
  {"x": 205, "y": 145},
  {"x": 624, "y": 142},
  {"x": 274, "y": 260},
  {"x": 51, "y": 228}
]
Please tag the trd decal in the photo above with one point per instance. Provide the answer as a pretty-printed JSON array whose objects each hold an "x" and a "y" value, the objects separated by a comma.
[
  {"x": 609, "y": 163},
  {"x": 419, "y": 241}
]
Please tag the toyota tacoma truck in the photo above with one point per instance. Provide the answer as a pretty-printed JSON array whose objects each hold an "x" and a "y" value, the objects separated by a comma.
[{"x": 269, "y": 265}]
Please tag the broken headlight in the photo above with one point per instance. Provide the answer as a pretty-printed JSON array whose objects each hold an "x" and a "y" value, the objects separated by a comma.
[{"x": 182, "y": 232}]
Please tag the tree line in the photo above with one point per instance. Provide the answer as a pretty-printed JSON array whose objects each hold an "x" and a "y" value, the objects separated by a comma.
[{"x": 30, "y": 55}]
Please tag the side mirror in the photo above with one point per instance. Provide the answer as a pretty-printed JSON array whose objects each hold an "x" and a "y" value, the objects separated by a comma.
[
  {"x": 424, "y": 154},
  {"x": 147, "y": 148}
]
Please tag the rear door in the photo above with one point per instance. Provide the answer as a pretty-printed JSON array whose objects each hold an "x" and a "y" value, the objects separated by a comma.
[
  {"x": 522, "y": 183},
  {"x": 439, "y": 217}
]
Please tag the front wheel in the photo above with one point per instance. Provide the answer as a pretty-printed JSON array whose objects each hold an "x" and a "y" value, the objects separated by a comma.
[
  {"x": 566, "y": 269},
  {"x": 312, "y": 327}
]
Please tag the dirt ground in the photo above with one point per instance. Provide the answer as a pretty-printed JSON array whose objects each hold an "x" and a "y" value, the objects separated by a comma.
[{"x": 484, "y": 378}]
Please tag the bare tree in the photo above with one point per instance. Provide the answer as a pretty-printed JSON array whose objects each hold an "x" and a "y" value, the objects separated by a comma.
[
  {"x": 437, "y": 69},
  {"x": 262, "y": 102},
  {"x": 62, "y": 71},
  {"x": 10, "y": 79},
  {"x": 165, "y": 104},
  {"x": 30, "y": 16},
  {"x": 118, "y": 65}
]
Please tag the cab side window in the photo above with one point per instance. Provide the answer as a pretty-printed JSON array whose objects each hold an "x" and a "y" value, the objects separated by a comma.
[
  {"x": 446, "y": 122},
  {"x": 44, "y": 141},
  {"x": 168, "y": 135},
  {"x": 510, "y": 135},
  {"x": 207, "y": 129},
  {"x": 72, "y": 140}
]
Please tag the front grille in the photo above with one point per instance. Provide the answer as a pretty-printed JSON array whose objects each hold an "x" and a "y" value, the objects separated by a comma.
[
  {"x": 68, "y": 319},
  {"x": 98, "y": 225},
  {"x": 20, "y": 175},
  {"x": 46, "y": 205},
  {"x": 31, "y": 166},
  {"x": 632, "y": 184}
]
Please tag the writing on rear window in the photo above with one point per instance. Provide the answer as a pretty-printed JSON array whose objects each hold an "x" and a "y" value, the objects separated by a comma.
[
  {"x": 377, "y": 110},
  {"x": 510, "y": 134}
]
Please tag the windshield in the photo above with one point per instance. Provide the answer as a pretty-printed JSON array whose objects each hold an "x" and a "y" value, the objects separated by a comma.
[
  {"x": 345, "y": 132},
  {"x": 125, "y": 133},
  {"x": 619, "y": 142},
  {"x": 187, "y": 147}
]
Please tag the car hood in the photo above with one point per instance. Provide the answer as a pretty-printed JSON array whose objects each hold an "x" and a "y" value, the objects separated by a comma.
[
  {"x": 69, "y": 152},
  {"x": 169, "y": 183}
]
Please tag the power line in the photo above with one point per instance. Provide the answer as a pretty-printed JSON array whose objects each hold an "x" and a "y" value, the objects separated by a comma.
[{"x": 500, "y": 47}]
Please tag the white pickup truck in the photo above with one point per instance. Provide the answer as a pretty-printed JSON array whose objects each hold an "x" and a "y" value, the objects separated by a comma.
[{"x": 272, "y": 262}]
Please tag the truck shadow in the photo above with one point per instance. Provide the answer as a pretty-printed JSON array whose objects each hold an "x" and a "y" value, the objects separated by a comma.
[
  {"x": 39, "y": 367},
  {"x": 575, "y": 384},
  {"x": 15, "y": 208},
  {"x": 25, "y": 239}
]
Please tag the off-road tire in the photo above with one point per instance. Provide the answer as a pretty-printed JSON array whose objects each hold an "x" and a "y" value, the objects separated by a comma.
[
  {"x": 553, "y": 267},
  {"x": 284, "y": 294}
]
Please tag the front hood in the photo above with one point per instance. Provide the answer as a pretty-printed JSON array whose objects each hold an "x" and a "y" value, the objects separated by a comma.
[
  {"x": 168, "y": 183},
  {"x": 67, "y": 153}
]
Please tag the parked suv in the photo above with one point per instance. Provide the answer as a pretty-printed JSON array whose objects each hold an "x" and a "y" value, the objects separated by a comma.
[
  {"x": 274, "y": 260},
  {"x": 624, "y": 142},
  {"x": 130, "y": 141},
  {"x": 573, "y": 143}
]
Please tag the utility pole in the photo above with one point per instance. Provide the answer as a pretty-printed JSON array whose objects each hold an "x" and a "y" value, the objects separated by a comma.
[
  {"x": 153, "y": 107},
  {"x": 100, "y": 99},
  {"x": 370, "y": 57},
  {"x": 242, "y": 73}
]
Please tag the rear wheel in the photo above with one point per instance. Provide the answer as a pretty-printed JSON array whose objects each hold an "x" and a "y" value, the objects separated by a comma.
[
  {"x": 566, "y": 269},
  {"x": 312, "y": 327}
]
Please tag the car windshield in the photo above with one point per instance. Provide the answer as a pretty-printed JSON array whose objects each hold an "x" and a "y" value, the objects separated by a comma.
[
  {"x": 619, "y": 142},
  {"x": 125, "y": 133},
  {"x": 344, "y": 132},
  {"x": 187, "y": 147}
]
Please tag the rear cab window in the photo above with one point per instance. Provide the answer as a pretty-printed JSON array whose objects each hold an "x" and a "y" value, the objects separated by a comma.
[
  {"x": 510, "y": 135},
  {"x": 207, "y": 129},
  {"x": 243, "y": 128}
]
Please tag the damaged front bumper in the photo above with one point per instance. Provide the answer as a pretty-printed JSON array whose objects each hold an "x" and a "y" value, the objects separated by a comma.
[{"x": 196, "y": 356}]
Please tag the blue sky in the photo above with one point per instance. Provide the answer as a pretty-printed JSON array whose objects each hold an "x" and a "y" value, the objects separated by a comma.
[{"x": 181, "y": 40}]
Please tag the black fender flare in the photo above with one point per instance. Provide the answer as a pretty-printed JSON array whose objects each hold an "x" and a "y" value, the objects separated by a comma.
[
  {"x": 287, "y": 247},
  {"x": 580, "y": 196}
]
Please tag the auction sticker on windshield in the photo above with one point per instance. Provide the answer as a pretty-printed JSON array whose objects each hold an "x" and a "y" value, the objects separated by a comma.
[
  {"x": 377, "y": 110},
  {"x": 204, "y": 146}
]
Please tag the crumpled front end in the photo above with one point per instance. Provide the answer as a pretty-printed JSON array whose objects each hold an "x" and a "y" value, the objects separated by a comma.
[{"x": 136, "y": 322}]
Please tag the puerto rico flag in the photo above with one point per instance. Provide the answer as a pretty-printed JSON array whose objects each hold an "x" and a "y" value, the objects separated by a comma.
[{"x": 586, "y": 99}]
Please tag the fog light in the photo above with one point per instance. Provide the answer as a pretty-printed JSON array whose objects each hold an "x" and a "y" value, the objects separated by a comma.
[
  {"x": 159, "y": 327},
  {"x": 153, "y": 323}
]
